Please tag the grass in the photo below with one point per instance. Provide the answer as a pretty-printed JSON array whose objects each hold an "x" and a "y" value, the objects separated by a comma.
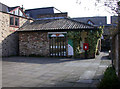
[{"x": 110, "y": 80}]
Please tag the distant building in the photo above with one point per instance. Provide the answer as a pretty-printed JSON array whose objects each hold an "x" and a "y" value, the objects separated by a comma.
[
  {"x": 17, "y": 10},
  {"x": 46, "y": 12},
  {"x": 114, "y": 19},
  {"x": 96, "y": 21}
]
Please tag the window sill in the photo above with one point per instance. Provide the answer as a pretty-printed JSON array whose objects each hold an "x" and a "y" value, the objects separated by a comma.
[
  {"x": 14, "y": 26},
  {"x": 12, "y": 30}
]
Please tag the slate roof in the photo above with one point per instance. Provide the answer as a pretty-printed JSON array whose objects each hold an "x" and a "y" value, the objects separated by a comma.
[
  {"x": 5, "y": 8},
  {"x": 12, "y": 8},
  {"x": 114, "y": 19},
  {"x": 98, "y": 21},
  {"x": 38, "y": 11},
  {"x": 56, "y": 25}
]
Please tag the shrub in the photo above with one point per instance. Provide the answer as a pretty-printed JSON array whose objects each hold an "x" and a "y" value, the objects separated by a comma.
[{"x": 110, "y": 80}]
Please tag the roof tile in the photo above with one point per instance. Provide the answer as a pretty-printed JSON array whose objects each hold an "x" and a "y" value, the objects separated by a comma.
[{"x": 56, "y": 24}]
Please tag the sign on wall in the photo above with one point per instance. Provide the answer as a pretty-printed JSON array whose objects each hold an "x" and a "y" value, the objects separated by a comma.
[{"x": 70, "y": 47}]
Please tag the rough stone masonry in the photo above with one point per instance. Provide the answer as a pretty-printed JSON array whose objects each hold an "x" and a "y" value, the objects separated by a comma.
[
  {"x": 8, "y": 35},
  {"x": 33, "y": 43}
]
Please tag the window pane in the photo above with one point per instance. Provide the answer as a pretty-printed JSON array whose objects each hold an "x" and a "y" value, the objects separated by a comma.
[
  {"x": 17, "y": 21},
  {"x": 18, "y": 11},
  {"x": 11, "y": 20},
  {"x": 21, "y": 13}
]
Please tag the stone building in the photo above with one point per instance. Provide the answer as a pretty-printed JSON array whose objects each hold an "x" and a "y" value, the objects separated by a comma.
[
  {"x": 50, "y": 37},
  {"x": 11, "y": 19}
]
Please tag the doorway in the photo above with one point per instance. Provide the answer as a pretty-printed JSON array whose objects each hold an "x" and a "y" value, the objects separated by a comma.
[{"x": 58, "y": 45}]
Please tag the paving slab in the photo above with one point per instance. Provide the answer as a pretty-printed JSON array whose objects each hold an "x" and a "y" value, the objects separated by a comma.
[
  {"x": 85, "y": 81},
  {"x": 53, "y": 72}
]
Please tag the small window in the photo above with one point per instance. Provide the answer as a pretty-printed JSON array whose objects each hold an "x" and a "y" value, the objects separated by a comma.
[
  {"x": 21, "y": 13},
  {"x": 17, "y": 21},
  {"x": 18, "y": 12},
  {"x": 14, "y": 21},
  {"x": 11, "y": 20}
]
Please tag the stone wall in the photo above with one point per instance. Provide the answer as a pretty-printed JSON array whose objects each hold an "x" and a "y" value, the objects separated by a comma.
[
  {"x": 116, "y": 53},
  {"x": 33, "y": 43},
  {"x": 1, "y": 38},
  {"x": 119, "y": 51},
  {"x": 8, "y": 35}
]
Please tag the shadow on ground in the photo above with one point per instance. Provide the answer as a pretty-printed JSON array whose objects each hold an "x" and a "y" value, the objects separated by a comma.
[
  {"x": 45, "y": 60},
  {"x": 39, "y": 60},
  {"x": 105, "y": 58}
]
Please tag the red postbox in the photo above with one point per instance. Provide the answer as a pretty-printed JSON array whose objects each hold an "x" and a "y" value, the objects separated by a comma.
[{"x": 85, "y": 46}]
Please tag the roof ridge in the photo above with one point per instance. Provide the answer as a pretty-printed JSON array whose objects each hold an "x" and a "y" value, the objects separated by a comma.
[
  {"x": 14, "y": 6},
  {"x": 90, "y": 17},
  {"x": 4, "y": 4},
  {"x": 39, "y": 8}
]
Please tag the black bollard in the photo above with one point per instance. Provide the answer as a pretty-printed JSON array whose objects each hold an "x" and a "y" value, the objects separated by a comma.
[{"x": 86, "y": 54}]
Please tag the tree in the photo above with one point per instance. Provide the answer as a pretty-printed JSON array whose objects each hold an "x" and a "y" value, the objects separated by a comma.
[{"x": 114, "y": 5}]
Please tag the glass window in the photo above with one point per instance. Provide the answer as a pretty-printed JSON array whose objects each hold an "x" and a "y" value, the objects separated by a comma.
[
  {"x": 18, "y": 12},
  {"x": 14, "y": 21},
  {"x": 21, "y": 13},
  {"x": 17, "y": 21},
  {"x": 11, "y": 20}
]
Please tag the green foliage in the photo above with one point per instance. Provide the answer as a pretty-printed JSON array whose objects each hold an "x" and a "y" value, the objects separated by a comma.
[
  {"x": 76, "y": 37},
  {"x": 110, "y": 80},
  {"x": 100, "y": 32},
  {"x": 92, "y": 38}
]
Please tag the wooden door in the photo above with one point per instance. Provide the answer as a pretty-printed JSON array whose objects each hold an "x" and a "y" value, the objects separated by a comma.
[{"x": 57, "y": 46}]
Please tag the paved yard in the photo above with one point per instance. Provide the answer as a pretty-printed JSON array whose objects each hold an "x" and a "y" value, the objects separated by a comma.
[{"x": 53, "y": 72}]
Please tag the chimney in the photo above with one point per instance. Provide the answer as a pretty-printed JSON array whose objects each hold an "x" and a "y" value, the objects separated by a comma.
[{"x": 23, "y": 8}]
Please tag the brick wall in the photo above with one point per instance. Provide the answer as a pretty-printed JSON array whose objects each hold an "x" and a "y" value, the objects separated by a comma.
[
  {"x": 33, "y": 43},
  {"x": 8, "y": 35}
]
